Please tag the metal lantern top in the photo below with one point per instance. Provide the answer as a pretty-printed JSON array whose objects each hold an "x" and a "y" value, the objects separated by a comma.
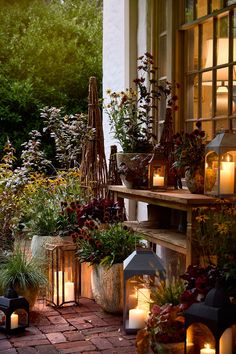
[
  {"x": 143, "y": 261},
  {"x": 222, "y": 143}
]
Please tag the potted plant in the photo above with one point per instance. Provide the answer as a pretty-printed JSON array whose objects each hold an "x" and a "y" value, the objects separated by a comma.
[
  {"x": 22, "y": 272},
  {"x": 131, "y": 115},
  {"x": 189, "y": 155},
  {"x": 164, "y": 331},
  {"x": 106, "y": 247}
]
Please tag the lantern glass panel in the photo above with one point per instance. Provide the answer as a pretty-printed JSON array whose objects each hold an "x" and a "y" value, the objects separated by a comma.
[
  {"x": 63, "y": 275},
  {"x": 159, "y": 175},
  {"x": 138, "y": 300},
  {"x": 211, "y": 173},
  {"x": 199, "y": 339},
  {"x": 220, "y": 173},
  {"x": 2, "y": 319},
  {"x": 19, "y": 318}
]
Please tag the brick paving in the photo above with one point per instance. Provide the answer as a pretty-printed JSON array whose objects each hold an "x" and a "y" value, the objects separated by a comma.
[{"x": 83, "y": 329}]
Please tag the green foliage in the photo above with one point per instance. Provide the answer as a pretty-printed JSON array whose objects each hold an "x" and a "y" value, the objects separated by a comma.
[
  {"x": 168, "y": 292},
  {"x": 18, "y": 269},
  {"x": 105, "y": 246},
  {"x": 48, "y": 50}
]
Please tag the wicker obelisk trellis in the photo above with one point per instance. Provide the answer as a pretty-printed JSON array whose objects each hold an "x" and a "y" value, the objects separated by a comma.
[{"x": 93, "y": 164}]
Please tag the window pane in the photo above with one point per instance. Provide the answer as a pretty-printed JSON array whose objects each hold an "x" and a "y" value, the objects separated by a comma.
[
  {"x": 222, "y": 40},
  {"x": 207, "y": 127},
  {"x": 192, "y": 60},
  {"x": 192, "y": 89},
  {"x": 189, "y": 11},
  {"x": 221, "y": 124},
  {"x": 207, "y": 45},
  {"x": 206, "y": 98},
  {"x": 234, "y": 35},
  {"x": 217, "y": 4},
  {"x": 222, "y": 92},
  {"x": 201, "y": 8}
]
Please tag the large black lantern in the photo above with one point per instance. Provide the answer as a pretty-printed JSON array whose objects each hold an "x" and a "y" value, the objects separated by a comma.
[
  {"x": 209, "y": 325},
  {"x": 142, "y": 270},
  {"x": 220, "y": 163},
  {"x": 63, "y": 274},
  {"x": 14, "y": 312}
]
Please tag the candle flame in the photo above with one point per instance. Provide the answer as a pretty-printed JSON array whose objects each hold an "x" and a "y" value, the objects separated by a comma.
[
  {"x": 207, "y": 346},
  {"x": 228, "y": 158}
]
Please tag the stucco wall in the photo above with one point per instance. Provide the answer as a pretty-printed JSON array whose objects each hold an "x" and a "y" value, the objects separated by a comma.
[{"x": 119, "y": 59}]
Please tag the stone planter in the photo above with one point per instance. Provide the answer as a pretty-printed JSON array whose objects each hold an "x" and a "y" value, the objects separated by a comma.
[
  {"x": 133, "y": 169},
  {"x": 107, "y": 287}
]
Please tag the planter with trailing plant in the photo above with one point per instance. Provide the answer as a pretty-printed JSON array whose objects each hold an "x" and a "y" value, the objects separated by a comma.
[
  {"x": 131, "y": 115},
  {"x": 189, "y": 156},
  {"x": 22, "y": 272},
  {"x": 105, "y": 247}
]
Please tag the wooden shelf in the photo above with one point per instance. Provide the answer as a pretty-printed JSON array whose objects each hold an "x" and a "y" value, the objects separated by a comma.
[
  {"x": 178, "y": 199},
  {"x": 164, "y": 237}
]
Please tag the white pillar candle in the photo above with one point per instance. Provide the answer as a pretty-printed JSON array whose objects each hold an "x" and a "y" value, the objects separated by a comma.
[
  {"x": 227, "y": 177},
  {"x": 207, "y": 350},
  {"x": 144, "y": 299},
  {"x": 137, "y": 318},
  {"x": 69, "y": 291},
  {"x": 158, "y": 181},
  {"x": 226, "y": 341},
  {"x": 14, "y": 321}
]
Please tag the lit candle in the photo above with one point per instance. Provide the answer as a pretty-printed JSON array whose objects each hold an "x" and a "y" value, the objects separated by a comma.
[
  {"x": 207, "y": 350},
  {"x": 137, "y": 318},
  {"x": 69, "y": 291},
  {"x": 144, "y": 299},
  {"x": 14, "y": 321},
  {"x": 227, "y": 177},
  {"x": 158, "y": 181},
  {"x": 226, "y": 342}
]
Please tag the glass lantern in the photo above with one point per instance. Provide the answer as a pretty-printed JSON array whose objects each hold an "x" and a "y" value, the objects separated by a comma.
[
  {"x": 14, "y": 312},
  {"x": 63, "y": 274},
  {"x": 157, "y": 170},
  {"x": 142, "y": 270},
  {"x": 209, "y": 325},
  {"x": 220, "y": 162}
]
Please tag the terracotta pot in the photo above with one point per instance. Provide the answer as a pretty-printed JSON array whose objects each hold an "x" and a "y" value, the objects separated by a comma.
[
  {"x": 107, "y": 287},
  {"x": 195, "y": 181},
  {"x": 168, "y": 348},
  {"x": 133, "y": 169}
]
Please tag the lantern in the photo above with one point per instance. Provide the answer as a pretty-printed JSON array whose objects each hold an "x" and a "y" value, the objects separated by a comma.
[
  {"x": 63, "y": 274},
  {"x": 14, "y": 312},
  {"x": 220, "y": 163},
  {"x": 157, "y": 170},
  {"x": 142, "y": 269},
  {"x": 209, "y": 325}
]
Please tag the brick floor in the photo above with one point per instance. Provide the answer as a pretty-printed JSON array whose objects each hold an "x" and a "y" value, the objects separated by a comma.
[{"x": 84, "y": 329}]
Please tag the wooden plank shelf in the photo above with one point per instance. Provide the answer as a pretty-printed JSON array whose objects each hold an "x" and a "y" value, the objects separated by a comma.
[{"x": 171, "y": 239}]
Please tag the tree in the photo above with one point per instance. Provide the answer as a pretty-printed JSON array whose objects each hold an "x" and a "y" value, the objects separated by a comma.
[{"x": 48, "y": 51}]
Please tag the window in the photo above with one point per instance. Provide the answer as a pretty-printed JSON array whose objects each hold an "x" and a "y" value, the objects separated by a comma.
[{"x": 210, "y": 65}]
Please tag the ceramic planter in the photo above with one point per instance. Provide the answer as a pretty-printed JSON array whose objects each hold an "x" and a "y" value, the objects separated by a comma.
[
  {"x": 133, "y": 169},
  {"x": 107, "y": 287}
]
